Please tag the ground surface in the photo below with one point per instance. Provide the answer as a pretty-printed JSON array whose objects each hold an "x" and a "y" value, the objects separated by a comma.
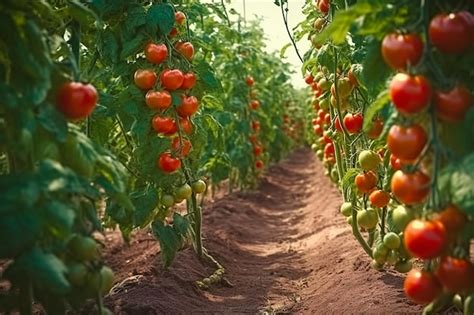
[{"x": 285, "y": 248}]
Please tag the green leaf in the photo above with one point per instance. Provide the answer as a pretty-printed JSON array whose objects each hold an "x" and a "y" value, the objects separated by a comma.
[
  {"x": 145, "y": 203},
  {"x": 462, "y": 183},
  {"x": 160, "y": 17},
  {"x": 170, "y": 241},
  {"x": 180, "y": 224},
  {"x": 283, "y": 50},
  {"x": 375, "y": 71},
  {"x": 82, "y": 13},
  {"x": 58, "y": 218},
  {"x": 132, "y": 47},
  {"x": 21, "y": 228},
  {"x": 371, "y": 111},
  {"x": 348, "y": 178}
]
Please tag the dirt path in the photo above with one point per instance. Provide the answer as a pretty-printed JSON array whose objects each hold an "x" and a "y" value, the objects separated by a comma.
[{"x": 285, "y": 248}]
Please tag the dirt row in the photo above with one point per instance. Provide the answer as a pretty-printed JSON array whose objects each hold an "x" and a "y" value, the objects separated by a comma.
[{"x": 285, "y": 247}]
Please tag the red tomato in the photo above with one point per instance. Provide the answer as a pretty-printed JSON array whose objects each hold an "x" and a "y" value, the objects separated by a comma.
[
  {"x": 410, "y": 94},
  {"x": 188, "y": 107},
  {"x": 314, "y": 121},
  {"x": 452, "y": 105},
  {"x": 249, "y": 81},
  {"x": 173, "y": 32},
  {"x": 425, "y": 239},
  {"x": 395, "y": 162},
  {"x": 76, "y": 100},
  {"x": 309, "y": 79},
  {"x": 324, "y": 6},
  {"x": 259, "y": 164},
  {"x": 327, "y": 118},
  {"x": 167, "y": 163},
  {"x": 337, "y": 124},
  {"x": 455, "y": 274},
  {"x": 164, "y": 125},
  {"x": 172, "y": 79},
  {"x": 376, "y": 129},
  {"x": 189, "y": 80},
  {"x": 422, "y": 287},
  {"x": 365, "y": 182},
  {"x": 185, "y": 125},
  {"x": 452, "y": 218},
  {"x": 253, "y": 138},
  {"x": 257, "y": 150},
  {"x": 254, "y": 104},
  {"x": 406, "y": 143},
  {"x": 399, "y": 50},
  {"x": 158, "y": 100},
  {"x": 352, "y": 78},
  {"x": 186, "y": 49},
  {"x": 256, "y": 125},
  {"x": 145, "y": 79},
  {"x": 353, "y": 122},
  {"x": 321, "y": 114},
  {"x": 181, "y": 149},
  {"x": 379, "y": 198},
  {"x": 469, "y": 18},
  {"x": 329, "y": 149},
  {"x": 156, "y": 53},
  {"x": 318, "y": 130},
  {"x": 326, "y": 138},
  {"x": 450, "y": 33},
  {"x": 180, "y": 17},
  {"x": 410, "y": 188}
]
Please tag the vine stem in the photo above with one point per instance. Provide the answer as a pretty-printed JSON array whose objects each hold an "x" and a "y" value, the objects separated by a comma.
[
  {"x": 355, "y": 229},
  {"x": 285, "y": 20}
]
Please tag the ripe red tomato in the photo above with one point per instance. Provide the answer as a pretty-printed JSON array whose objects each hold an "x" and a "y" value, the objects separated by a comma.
[
  {"x": 421, "y": 287},
  {"x": 326, "y": 138},
  {"x": 164, "y": 125},
  {"x": 406, "y": 143},
  {"x": 376, "y": 129},
  {"x": 410, "y": 188},
  {"x": 156, "y": 53},
  {"x": 450, "y": 33},
  {"x": 158, "y": 100},
  {"x": 321, "y": 114},
  {"x": 410, "y": 94},
  {"x": 249, "y": 81},
  {"x": 76, "y": 100},
  {"x": 186, "y": 49},
  {"x": 253, "y": 138},
  {"x": 352, "y": 78},
  {"x": 452, "y": 218},
  {"x": 181, "y": 149},
  {"x": 256, "y": 125},
  {"x": 399, "y": 50},
  {"x": 365, "y": 182},
  {"x": 254, "y": 104},
  {"x": 188, "y": 107},
  {"x": 353, "y": 122},
  {"x": 309, "y": 79},
  {"x": 337, "y": 124},
  {"x": 257, "y": 150},
  {"x": 173, "y": 32},
  {"x": 452, "y": 105},
  {"x": 469, "y": 18},
  {"x": 259, "y": 164},
  {"x": 455, "y": 274},
  {"x": 425, "y": 239},
  {"x": 180, "y": 17},
  {"x": 189, "y": 81},
  {"x": 167, "y": 163},
  {"x": 318, "y": 130},
  {"x": 314, "y": 121},
  {"x": 327, "y": 118},
  {"x": 145, "y": 79},
  {"x": 185, "y": 125},
  {"x": 379, "y": 198},
  {"x": 172, "y": 79},
  {"x": 329, "y": 149},
  {"x": 324, "y": 6}
]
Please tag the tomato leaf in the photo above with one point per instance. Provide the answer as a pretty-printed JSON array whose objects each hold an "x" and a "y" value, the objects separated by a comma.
[
  {"x": 371, "y": 111},
  {"x": 160, "y": 16}
]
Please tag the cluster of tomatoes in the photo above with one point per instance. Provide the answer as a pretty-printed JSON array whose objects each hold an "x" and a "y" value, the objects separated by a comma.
[
  {"x": 170, "y": 98},
  {"x": 255, "y": 125},
  {"x": 431, "y": 237}
]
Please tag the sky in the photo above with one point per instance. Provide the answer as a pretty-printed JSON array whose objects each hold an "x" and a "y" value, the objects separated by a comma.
[{"x": 272, "y": 22}]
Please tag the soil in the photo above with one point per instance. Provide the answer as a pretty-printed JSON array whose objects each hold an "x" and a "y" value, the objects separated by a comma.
[{"x": 285, "y": 248}]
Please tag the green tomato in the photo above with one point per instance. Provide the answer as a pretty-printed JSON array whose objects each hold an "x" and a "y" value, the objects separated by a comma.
[
  {"x": 379, "y": 256},
  {"x": 376, "y": 265},
  {"x": 349, "y": 220},
  {"x": 167, "y": 201},
  {"x": 369, "y": 160},
  {"x": 367, "y": 219},
  {"x": 324, "y": 103},
  {"x": 320, "y": 154},
  {"x": 391, "y": 240},
  {"x": 392, "y": 257},
  {"x": 76, "y": 273},
  {"x": 92, "y": 285},
  {"x": 314, "y": 147},
  {"x": 324, "y": 84},
  {"x": 334, "y": 175},
  {"x": 74, "y": 158},
  {"x": 346, "y": 209},
  {"x": 183, "y": 192},
  {"x": 402, "y": 251},
  {"x": 401, "y": 217},
  {"x": 199, "y": 186},
  {"x": 469, "y": 304},
  {"x": 83, "y": 248},
  {"x": 457, "y": 301},
  {"x": 403, "y": 266},
  {"x": 106, "y": 280}
]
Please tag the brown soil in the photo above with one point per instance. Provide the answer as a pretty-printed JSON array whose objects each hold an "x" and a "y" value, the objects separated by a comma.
[{"x": 285, "y": 248}]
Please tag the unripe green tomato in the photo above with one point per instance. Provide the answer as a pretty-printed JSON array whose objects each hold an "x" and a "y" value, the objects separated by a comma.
[
  {"x": 314, "y": 147},
  {"x": 391, "y": 240},
  {"x": 457, "y": 301},
  {"x": 199, "y": 186},
  {"x": 167, "y": 200},
  {"x": 324, "y": 103},
  {"x": 334, "y": 174},
  {"x": 349, "y": 220},
  {"x": 92, "y": 285},
  {"x": 346, "y": 209},
  {"x": 183, "y": 192},
  {"x": 382, "y": 248},
  {"x": 401, "y": 216},
  {"x": 107, "y": 280},
  {"x": 402, "y": 251},
  {"x": 324, "y": 84},
  {"x": 392, "y": 257},
  {"x": 403, "y": 266},
  {"x": 379, "y": 255},
  {"x": 76, "y": 273},
  {"x": 83, "y": 248},
  {"x": 469, "y": 304},
  {"x": 344, "y": 87},
  {"x": 320, "y": 154},
  {"x": 318, "y": 76},
  {"x": 377, "y": 266},
  {"x": 318, "y": 24},
  {"x": 369, "y": 160},
  {"x": 367, "y": 219}
]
